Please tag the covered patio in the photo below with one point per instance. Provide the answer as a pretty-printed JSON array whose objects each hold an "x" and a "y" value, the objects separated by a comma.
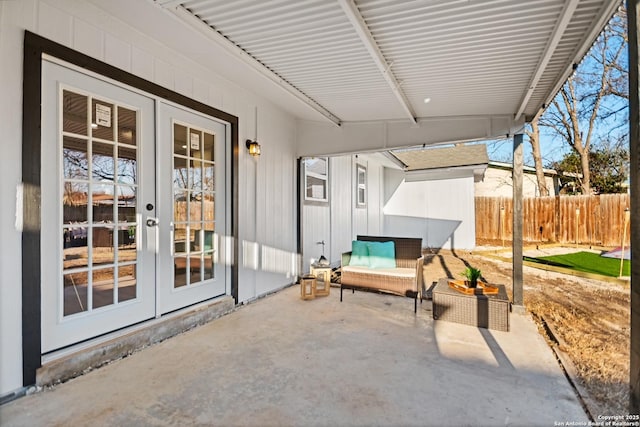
[
  {"x": 284, "y": 361},
  {"x": 304, "y": 79}
]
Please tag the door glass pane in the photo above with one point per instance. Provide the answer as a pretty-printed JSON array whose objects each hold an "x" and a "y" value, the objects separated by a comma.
[
  {"x": 103, "y": 201},
  {"x": 127, "y": 165},
  {"x": 75, "y": 252},
  {"x": 180, "y": 205},
  {"x": 195, "y": 207},
  {"x": 180, "y": 173},
  {"x": 74, "y": 203},
  {"x": 126, "y": 282},
  {"x": 195, "y": 169},
  {"x": 75, "y": 287},
  {"x": 102, "y": 120},
  {"x": 127, "y": 243},
  {"x": 207, "y": 151},
  {"x": 208, "y": 177},
  {"x": 74, "y": 113},
  {"x": 74, "y": 158},
  {"x": 208, "y": 266},
  {"x": 180, "y": 268},
  {"x": 126, "y": 203},
  {"x": 102, "y": 166},
  {"x": 179, "y": 139},
  {"x": 208, "y": 207},
  {"x": 208, "y": 234},
  {"x": 195, "y": 144},
  {"x": 102, "y": 287},
  {"x": 179, "y": 238},
  {"x": 126, "y": 126},
  {"x": 102, "y": 245},
  {"x": 194, "y": 267}
]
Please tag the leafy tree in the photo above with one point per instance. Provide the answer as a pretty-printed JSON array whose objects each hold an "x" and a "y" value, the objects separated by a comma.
[
  {"x": 609, "y": 170},
  {"x": 591, "y": 99}
]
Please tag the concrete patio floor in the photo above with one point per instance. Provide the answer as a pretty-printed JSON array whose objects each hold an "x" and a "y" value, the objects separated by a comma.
[{"x": 282, "y": 361}]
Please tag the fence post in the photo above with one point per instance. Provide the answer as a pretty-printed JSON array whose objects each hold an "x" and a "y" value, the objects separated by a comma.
[
  {"x": 502, "y": 224},
  {"x": 577, "y": 224},
  {"x": 556, "y": 230}
]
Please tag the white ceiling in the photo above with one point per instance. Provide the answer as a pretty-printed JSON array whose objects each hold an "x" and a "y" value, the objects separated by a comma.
[{"x": 377, "y": 60}]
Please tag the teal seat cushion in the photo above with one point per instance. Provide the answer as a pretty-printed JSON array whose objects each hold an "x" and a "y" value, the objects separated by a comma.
[
  {"x": 359, "y": 254},
  {"x": 382, "y": 254}
]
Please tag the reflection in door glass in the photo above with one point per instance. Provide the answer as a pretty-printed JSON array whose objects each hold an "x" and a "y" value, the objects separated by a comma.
[
  {"x": 102, "y": 120},
  {"x": 102, "y": 250},
  {"x": 126, "y": 126},
  {"x": 103, "y": 165},
  {"x": 179, "y": 140},
  {"x": 74, "y": 203},
  {"x": 193, "y": 194},
  {"x": 74, "y": 113},
  {"x": 74, "y": 289},
  {"x": 99, "y": 201},
  {"x": 74, "y": 158},
  {"x": 126, "y": 282},
  {"x": 102, "y": 286},
  {"x": 127, "y": 165}
]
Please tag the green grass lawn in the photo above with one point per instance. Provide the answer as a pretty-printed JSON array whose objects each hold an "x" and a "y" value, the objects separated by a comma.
[{"x": 588, "y": 262}]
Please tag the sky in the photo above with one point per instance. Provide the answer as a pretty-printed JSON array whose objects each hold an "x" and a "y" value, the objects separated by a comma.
[{"x": 608, "y": 130}]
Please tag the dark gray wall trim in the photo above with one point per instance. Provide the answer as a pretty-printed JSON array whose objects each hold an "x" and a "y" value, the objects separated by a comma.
[
  {"x": 34, "y": 47},
  {"x": 31, "y": 96}
]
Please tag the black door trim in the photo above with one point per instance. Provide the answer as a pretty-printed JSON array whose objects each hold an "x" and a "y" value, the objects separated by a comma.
[{"x": 34, "y": 47}]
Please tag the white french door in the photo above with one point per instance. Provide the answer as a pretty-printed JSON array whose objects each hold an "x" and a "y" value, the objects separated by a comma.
[
  {"x": 98, "y": 191},
  {"x": 191, "y": 187},
  {"x": 133, "y": 207}
]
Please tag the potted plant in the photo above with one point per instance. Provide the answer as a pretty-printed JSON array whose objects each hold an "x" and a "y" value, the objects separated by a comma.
[{"x": 472, "y": 275}]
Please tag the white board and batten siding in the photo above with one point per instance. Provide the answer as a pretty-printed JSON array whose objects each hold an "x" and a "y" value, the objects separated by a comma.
[
  {"x": 340, "y": 220},
  {"x": 267, "y": 185},
  {"x": 442, "y": 212}
]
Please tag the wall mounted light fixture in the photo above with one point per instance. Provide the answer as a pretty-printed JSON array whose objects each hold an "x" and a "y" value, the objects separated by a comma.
[{"x": 253, "y": 147}]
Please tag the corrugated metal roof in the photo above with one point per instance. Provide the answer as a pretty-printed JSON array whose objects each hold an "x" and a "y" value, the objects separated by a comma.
[{"x": 471, "y": 58}]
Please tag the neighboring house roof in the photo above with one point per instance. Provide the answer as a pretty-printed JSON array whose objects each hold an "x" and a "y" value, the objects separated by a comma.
[
  {"x": 526, "y": 169},
  {"x": 446, "y": 157}
]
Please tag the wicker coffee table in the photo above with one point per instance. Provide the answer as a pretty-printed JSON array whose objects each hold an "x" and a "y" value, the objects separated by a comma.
[{"x": 483, "y": 311}]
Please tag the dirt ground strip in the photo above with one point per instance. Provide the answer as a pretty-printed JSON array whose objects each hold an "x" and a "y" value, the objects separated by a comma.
[{"x": 590, "y": 318}]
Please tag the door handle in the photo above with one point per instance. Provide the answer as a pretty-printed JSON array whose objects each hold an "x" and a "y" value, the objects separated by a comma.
[{"x": 152, "y": 222}]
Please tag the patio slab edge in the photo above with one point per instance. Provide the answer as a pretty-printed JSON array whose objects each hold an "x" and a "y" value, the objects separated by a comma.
[{"x": 72, "y": 363}]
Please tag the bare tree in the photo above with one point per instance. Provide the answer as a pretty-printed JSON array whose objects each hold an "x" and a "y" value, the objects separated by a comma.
[
  {"x": 580, "y": 107},
  {"x": 534, "y": 140}
]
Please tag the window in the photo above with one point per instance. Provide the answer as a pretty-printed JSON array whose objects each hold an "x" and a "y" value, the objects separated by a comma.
[
  {"x": 361, "y": 186},
  {"x": 316, "y": 179}
]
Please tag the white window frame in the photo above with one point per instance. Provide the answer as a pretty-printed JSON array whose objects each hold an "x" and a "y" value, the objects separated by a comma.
[
  {"x": 361, "y": 186},
  {"x": 316, "y": 176}
]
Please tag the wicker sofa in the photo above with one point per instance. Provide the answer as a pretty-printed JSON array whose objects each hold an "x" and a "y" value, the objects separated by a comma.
[{"x": 404, "y": 280}]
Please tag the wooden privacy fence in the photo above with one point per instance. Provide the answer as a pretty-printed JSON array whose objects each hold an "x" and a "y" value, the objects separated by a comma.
[{"x": 593, "y": 220}]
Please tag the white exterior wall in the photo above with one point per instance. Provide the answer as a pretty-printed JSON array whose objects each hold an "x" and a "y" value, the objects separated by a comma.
[
  {"x": 267, "y": 217},
  {"x": 498, "y": 183},
  {"x": 442, "y": 212},
  {"x": 339, "y": 221},
  {"x": 342, "y": 206}
]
